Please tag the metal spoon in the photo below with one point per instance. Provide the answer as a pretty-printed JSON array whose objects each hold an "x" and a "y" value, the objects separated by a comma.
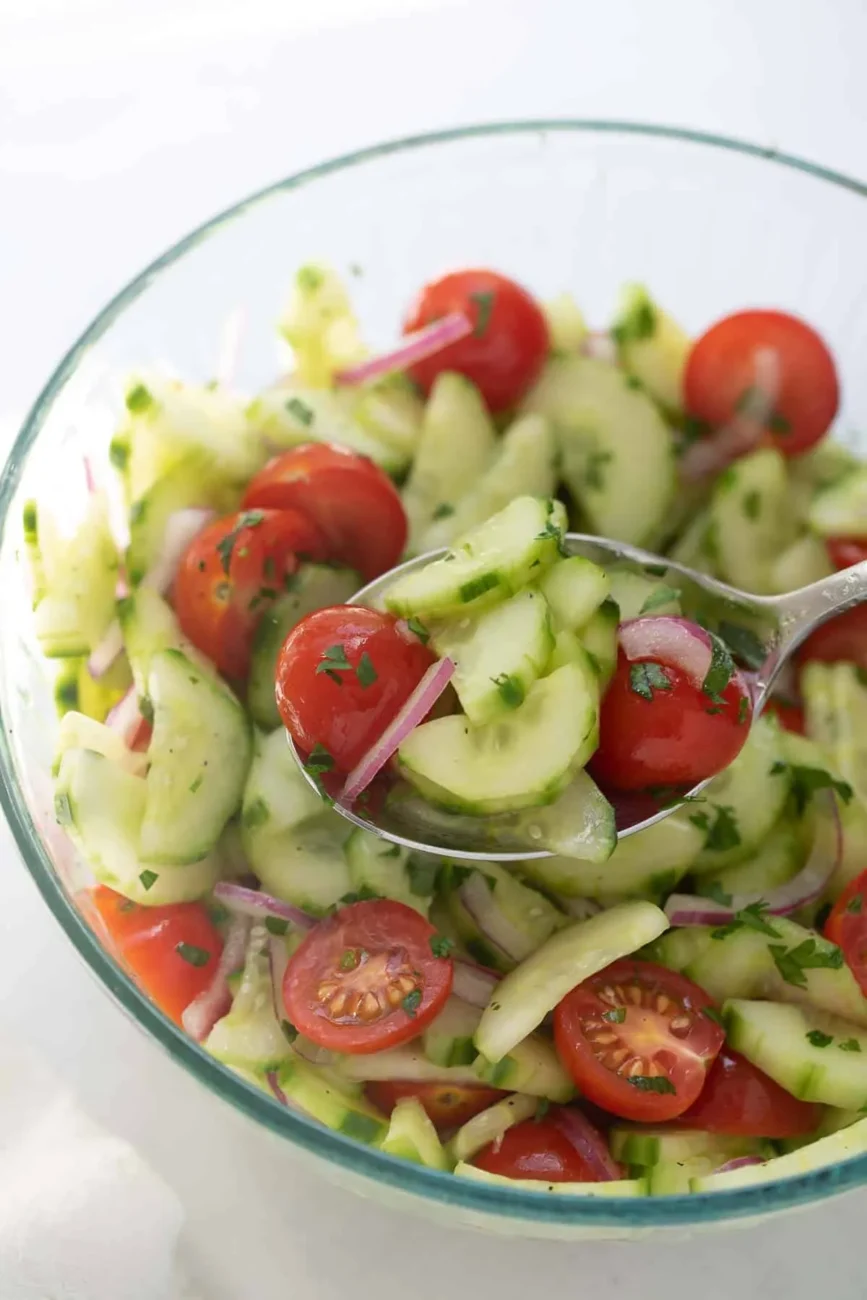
[{"x": 762, "y": 632}]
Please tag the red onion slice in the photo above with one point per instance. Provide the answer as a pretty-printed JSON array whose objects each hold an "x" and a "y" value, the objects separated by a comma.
[
  {"x": 204, "y": 1011},
  {"x": 278, "y": 960},
  {"x": 712, "y": 454},
  {"x": 675, "y": 641},
  {"x": 89, "y": 478},
  {"x": 414, "y": 347},
  {"x": 125, "y": 717},
  {"x": 475, "y": 894},
  {"x": 739, "y": 1162},
  {"x": 588, "y": 1142},
  {"x": 106, "y": 651},
  {"x": 274, "y": 1085},
  {"x": 252, "y": 902},
  {"x": 804, "y": 888},
  {"x": 600, "y": 346},
  {"x": 473, "y": 984},
  {"x": 414, "y": 711}
]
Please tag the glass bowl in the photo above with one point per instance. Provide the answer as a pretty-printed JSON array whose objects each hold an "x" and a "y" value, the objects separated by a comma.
[{"x": 709, "y": 224}]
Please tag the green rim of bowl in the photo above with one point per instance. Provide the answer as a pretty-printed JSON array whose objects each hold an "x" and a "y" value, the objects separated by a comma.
[{"x": 428, "y": 1185}]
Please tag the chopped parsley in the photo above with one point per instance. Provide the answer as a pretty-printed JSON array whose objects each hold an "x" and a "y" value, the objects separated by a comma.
[
  {"x": 593, "y": 475},
  {"x": 411, "y": 1002},
  {"x": 441, "y": 945},
  {"x": 818, "y": 1039},
  {"x": 616, "y": 1015},
  {"x": 662, "y": 595},
  {"x": 752, "y": 917},
  {"x": 289, "y": 1030},
  {"x": 744, "y": 644},
  {"x": 62, "y": 810},
  {"x": 807, "y": 780},
  {"x": 638, "y": 323},
  {"x": 362, "y": 895},
  {"x": 226, "y": 545},
  {"x": 752, "y": 504},
  {"x": 722, "y": 833},
  {"x": 197, "y": 784},
  {"x": 148, "y": 879},
  {"x": 422, "y": 872},
  {"x": 743, "y": 710},
  {"x": 721, "y": 670},
  {"x": 303, "y": 413},
  {"x": 849, "y": 1045},
  {"x": 792, "y": 962},
  {"x": 510, "y": 689},
  {"x": 138, "y": 399},
  {"x": 276, "y": 925},
  {"x": 190, "y": 953},
  {"x": 418, "y": 629},
  {"x": 552, "y": 532},
  {"x": 644, "y": 1083},
  {"x": 319, "y": 762},
  {"x": 443, "y": 510},
  {"x": 254, "y": 814},
  {"x": 645, "y": 678},
  {"x": 484, "y": 300},
  {"x": 348, "y": 959},
  {"x": 716, "y": 892},
  {"x": 543, "y": 1105},
  {"x": 855, "y": 904},
  {"x": 778, "y": 423},
  {"x": 334, "y": 662},
  {"x": 393, "y": 852},
  {"x": 365, "y": 672}
]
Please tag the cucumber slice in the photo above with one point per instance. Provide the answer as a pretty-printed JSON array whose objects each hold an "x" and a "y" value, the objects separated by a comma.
[
  {"x": 805, "y": 561},
  {"x": 509, "y": 920},
  {"x": 191, "y": 481},
  {"x": 498, "y": 655},
  {"x": 303, "y": 864},
  {"x": 617, "y": 451},
  {"x": 288, "y": 416},
  {"x": 33, "y": 550},
  {"x": 637, "y": 595},
  {"x": 522, "y": 1000},
  {"x": 78, "y": 731},
  {"x": 752, "y": 519},
  {"x": 777, "y": 859},
  {"x": 833, "y": 1119},
  {"x": 401, "y": 1064},
  {"x": 532, "y": 1066},
  {"x": 250, "y": 1035},
  {"x": 386, "y": 870},
  {"x": 149, "y": 625},
  {"x": 80, "y": 581},
  {"x": 647, "y": 1146},
  {"x": 649, "y": 863},
  {"x": 801, "y": 1050},
  {"x": 818, "y": 1155},
  {"x": 677, "y": 949},
  {"x": 390, "y": 411},
  {"x": 199, "y": 758},
  {"x": 574, "y": 589},
  {"x": 448, "y": 1040},
  {"x": 524, "y": 465},
  {"x": 100, "y": 805},
  {"x": 455, "y": 446},
  {"x": 743, "y": 802},
  {"x": 835, "y": 698},
  {"x": 567, "y": 328},
  {"x": 524, "y": 760},
  {"x": 412, "y": 1136},
  {"x": 315, "y": 586},
  {"x": 600, "y": 640},
  {"x": 319, "y": 1097},
  {"x": 617, "y": 1187},
  {"x": 676, "y": 1178},
  {"x": 167, "y": 419},
  {"x": 652, "y": 347},
  {"x": 319, "y": 325},
  {"x": 841, "y": 510},
  {"x": 491, "y": 1125},
  {"x": 276, "y": 796},
  {"x": 97, "y": 697},
  {"x": 487, "y": 564}
]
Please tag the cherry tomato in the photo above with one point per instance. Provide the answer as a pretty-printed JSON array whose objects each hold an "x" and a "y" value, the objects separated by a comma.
[
  {"x": 846, "y": 551},
  {"x": 543, "y": 1149},
  {"x": 504, "y": 354},
  {"x": 657, "y": 729},
  {"x": 724, "y": 377},
  {"x": 635, "y": 1039},
  {"x": 232, "y": 572},
  {"x": 366, "y": 978},
  {"x": 140, "y": 738},
  {"x": 171, "y": 951},
  {"x": 448, "y": 1104},
  {"x": 343, "y": 674},
  {"x": 353, "y": 503},
  {"x": 791, "y": 716},
  {"x": 843, "y": 638},
  {"x": 847, "y": 927},
  {"x": 739, "y": 1098}
]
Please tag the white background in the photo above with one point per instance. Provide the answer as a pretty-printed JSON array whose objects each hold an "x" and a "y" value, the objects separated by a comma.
[{"x": 123, "y": 124}]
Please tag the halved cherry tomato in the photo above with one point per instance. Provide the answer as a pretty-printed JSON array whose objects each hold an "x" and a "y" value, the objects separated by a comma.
[
  {"x": 366, "y": 978},
  {"x": 657, "y": 729},
  {"x": 543, "y": 1149},
  {"x": 739, "y": 1098},
  {"x": 171, "y": 951},
  {"x": 791, "y": 716},
  {"x": 847, "y": 927},
  {"x": 504, "y": 354},
  {"x": 846, "y": 551},
  {"x": 725, "y": 376},
  {"x": 841, "y": 639},
  {"x": 353, "y": 503},
  {"x": 232, "y": 572},
  {"x": 140, "y": 739},
  {"x": 636, "y": 1040},
  {"x": 342, "y": 676},
  {"x": 448, "y": 1104}
]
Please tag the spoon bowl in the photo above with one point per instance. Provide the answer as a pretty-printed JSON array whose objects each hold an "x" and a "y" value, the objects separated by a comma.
[{"x": 762, "y": 633}]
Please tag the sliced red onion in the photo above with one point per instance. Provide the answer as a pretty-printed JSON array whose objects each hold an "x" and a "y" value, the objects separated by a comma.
[
  {"x": 712, "y": 454},
  {"x": 278, "y": 960},
  {"x": 229, "y": 347},
  {"x": 125, "y": 717},
  {"x": 599, "y": 345},
  {"x": 739, "y": 1162},
  {"x": 414, "y": 347},
  {"x": 274, "y": 1085},
  {"x": 414, "y": 711},
  {"x": 88, "y": 475},
  {"x": 804, "y": 888},
  {"x": 676, "y": 641},
  {"x": 473, "y": 984},
  {"x": 204, "y": 1011},
  {"x": 252, "y": 902},
  {"x": 588, "y": 1142},
  {"x": 475, "y": 894},
  {"x": 106, "y": 651}
]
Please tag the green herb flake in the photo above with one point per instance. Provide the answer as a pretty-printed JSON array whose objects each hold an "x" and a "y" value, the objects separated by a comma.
[
  {"x": 418, "y": 629},
  {"x": 138, "y": 399},
  {"x": 594, "y": 478},
  {"x": 638, "y": 323},
  {"x": 849, "y": 1045},
  {"x": 510, "y": 689},
  {"x": 478, "y": 586},
  {"x": 393, "y": 852},
  {"x": 716, "y": 892},
  {"x": 423, "y": 873},
  {"x": 855, "y": 904},
  {"x": 543, "y": 1105},
  {"x": 484, "y": 300},
  {"x": 255, "y": 813},
  {"x": 303, "y": 413},
  {"x": 309, "y": 279},
  {"x": 349, "y": 959},
  {"x": 721, "y": 670},
  {"x": 334, "y": 662},
  {"x": 290, "y": 1033},
  {"x": 663, "y": 595},
  {"x": 818, "y": 1039},
  {"x": 118, "y": 452},
  {"x": 365, "y": 672},
  {"x": 197, "y": 784},
  {"x": 647, "y": 677},
  {"x": 779, "y": 424},
  {"x": 412, "y": 1002},
  {"x": 193, "y": 955},
  {"x": 752, "y": 917},
  {"x": 226, "y": 546},
  {"x": 319, "y": 760},
  {"x": 646, "y": 1083},
  {"x": 62, "y": 810},
  {"x": 441, "y": 945},
  {"x": 722, "y": 833},
  {"x": 276, "y": 925},
  {"x": 744, "y": 644},
  {"x": 807, "y": 780},
  {"x": 792, "y": 962},
  {"x": 362, "y": 895},
  {"x": 148, "y": 879},
  {"x": 616, "y": 1015},
  {"x": 743, "y": 710},
  {"x": 443, "y": 510},
  {"x": 752, "y": 504}
]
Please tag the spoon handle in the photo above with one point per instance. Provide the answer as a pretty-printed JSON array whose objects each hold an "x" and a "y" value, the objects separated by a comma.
[{"x": 801, "y": 612}]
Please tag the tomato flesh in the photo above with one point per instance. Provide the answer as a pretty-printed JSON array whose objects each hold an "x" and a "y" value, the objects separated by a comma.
[
  {"x": 677, "y": 737},
  {"x": 738, "y": 1098},
  {"x": 841, "y": 640},
  {"x": 768, "y": 362},
  {"x": 843, "y": 552},
  {"x": 542, "y": 1149},
  {"x": 232, "y": 573},
  {"x": 172, "y": 952},
  {"x": 507, "y": 349},
  {"x": 352, "y": 502},
  {"x": 343, "y": 674},
  {"x": 847, "y": 927},
  {"x": 366, "y": 978},
  {"x": 636, "y": 1040},
  {"x": 448, "y": 1104}
]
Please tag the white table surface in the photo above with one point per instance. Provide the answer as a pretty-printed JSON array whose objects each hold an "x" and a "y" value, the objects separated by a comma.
[{"x": 122, "y": 127}]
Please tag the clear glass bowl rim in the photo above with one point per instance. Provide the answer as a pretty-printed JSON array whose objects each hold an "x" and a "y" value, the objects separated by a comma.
[{"x": 504, "y": 1204}]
